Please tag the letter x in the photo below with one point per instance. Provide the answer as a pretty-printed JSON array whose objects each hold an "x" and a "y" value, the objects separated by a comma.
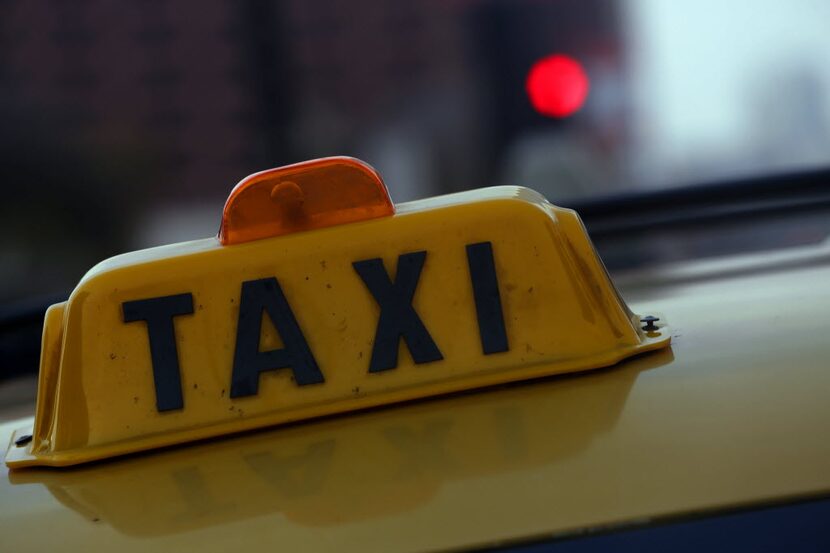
[{"x": 398, "y": 318}]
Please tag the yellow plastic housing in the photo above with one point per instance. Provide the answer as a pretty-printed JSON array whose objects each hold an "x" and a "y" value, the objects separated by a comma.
[{"x": 561, "y": 313}]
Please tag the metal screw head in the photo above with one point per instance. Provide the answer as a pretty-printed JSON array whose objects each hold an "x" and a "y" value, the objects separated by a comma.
[
  {"x": 649, "y": 320},
  {"x": 23, "y": 440}
]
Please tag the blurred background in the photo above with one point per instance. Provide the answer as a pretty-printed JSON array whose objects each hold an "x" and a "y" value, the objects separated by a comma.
[
  {"x": 677, "y": 129},
  {"x": 126, "y": 124}
]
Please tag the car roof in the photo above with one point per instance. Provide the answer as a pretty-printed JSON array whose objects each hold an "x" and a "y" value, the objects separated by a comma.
[{"x": 734, "y": 414}]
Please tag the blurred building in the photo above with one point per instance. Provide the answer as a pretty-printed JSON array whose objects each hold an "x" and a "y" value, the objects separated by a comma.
[
  {"x": 137, "y": 118},
  {"x": 169, "y": 80}
]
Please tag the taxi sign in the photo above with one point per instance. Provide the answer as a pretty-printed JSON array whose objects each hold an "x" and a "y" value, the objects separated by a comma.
[{"x": 319, "y": 296}]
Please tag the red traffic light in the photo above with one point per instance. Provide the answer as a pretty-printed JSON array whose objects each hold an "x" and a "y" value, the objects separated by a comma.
[{"x": 557, "y": 86}]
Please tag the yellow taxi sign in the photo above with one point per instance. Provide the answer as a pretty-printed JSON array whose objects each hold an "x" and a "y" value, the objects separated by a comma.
[{"x": 194, "y": 340}]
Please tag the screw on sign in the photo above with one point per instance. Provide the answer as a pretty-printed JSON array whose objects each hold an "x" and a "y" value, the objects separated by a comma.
[{"x": 649, "y": 320}]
